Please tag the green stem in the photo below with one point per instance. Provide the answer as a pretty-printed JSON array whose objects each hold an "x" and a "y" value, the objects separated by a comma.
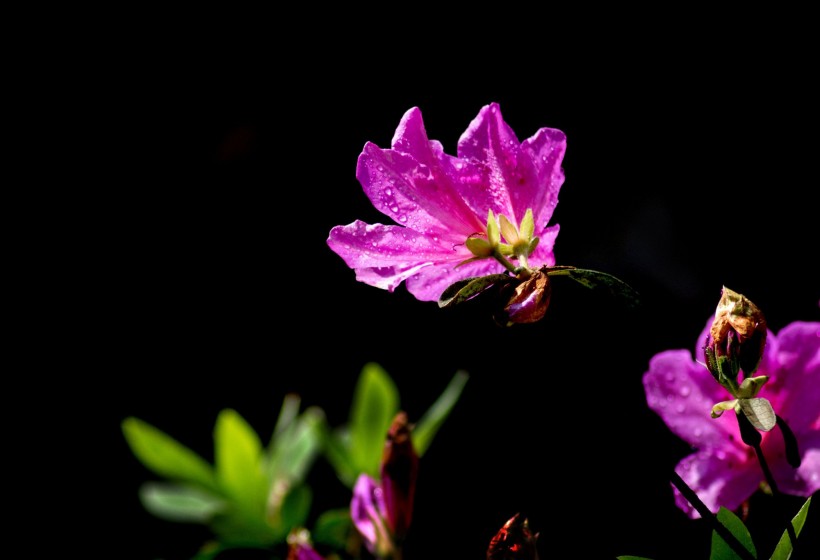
[
  {"x": 776, "y": 493},
  {"x": 504, "y": 262},
  {"x": 710, "y": 518}
]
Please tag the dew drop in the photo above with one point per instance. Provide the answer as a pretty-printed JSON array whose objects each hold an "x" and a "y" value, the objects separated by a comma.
[
  {"x": 402, "y": 218},
  {"x": 721, "y": 455},
  {"x": 685, "y": 390},
  {"x": 698, "y": 432},
  {"x": 381, "y": 168},
  {"x": 394, "y": 208},
  {"x": 388, "y": 192},
  {"x": 681, "y": 408}
]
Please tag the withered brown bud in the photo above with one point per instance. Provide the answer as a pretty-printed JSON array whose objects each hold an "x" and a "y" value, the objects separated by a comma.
[
  {"x": 738, "y": 331},
  {"x": 514, "y": 541},
  {"x": 399, "y": 470},
  {"x": 529, "y": 300}
]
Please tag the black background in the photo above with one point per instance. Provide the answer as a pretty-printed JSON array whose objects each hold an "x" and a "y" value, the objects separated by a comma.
[{"x": 201, "y": 278}]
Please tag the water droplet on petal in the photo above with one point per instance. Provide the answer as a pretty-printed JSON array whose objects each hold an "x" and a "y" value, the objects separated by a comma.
[
  {"x": 721, "y": 455},
  {"x": 681, "y": 408},
  {"x": 381, "y": 168},
  {"x": 698, "y": 432},
  {"x": 388, "y": 192},
  {"x": 685, "y": 390},
  {"x": 394, "y": 208}
]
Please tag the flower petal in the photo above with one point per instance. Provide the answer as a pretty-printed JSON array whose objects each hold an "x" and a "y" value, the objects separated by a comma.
[
  {"x": 384, "y": 256},
  {"x": 682, "y": 392},
  {"x": 796, "y": 381},
  {"x": 803, "y": 481},
  {"x": 545, "y": 150},
  {"x": 429, "y": 282},
  {"x": 719, "y": 479},
  {"x": 416, "y": 184},
  {"x": 367, "y": 511}
]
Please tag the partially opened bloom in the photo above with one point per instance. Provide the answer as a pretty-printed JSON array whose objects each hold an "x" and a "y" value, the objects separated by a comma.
[
  {"x": 722, "y": 470},
  {"x": 449, "y": 212},
  {"x": 382, "y": 511}
]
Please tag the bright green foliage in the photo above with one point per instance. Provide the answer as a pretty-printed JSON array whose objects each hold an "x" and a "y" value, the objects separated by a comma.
[
  {"x": 357, "y": 447},
  {"x": 721, "y": 550},
  {"x": 783, "y": 550},
  {"x": 252, "y": 495}
]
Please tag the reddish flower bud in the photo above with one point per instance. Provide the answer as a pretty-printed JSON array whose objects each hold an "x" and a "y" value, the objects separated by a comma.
[
  {"x": 529, "y": 301},
  {"x": 399, "y": 470},
  {"x": 514, "y": 541}
]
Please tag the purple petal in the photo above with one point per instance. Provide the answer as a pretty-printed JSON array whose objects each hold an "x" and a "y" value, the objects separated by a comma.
[
  {"x": 428, "y": 283},
  {"x": 795, "y": 378},
  {"x": 415, "y": 184},
  {"x": 368, "y": 512},
  {"x": 803, "y": 481},
  {"x": 546, "y": 152},
  {"x": 719, "y": 478},
  {"x": 682, "y": 392}
]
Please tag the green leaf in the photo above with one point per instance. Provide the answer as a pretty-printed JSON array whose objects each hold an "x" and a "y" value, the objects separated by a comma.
[
  {"x": 783, "y": 550},
  {"x": 336, "y": 450},
  {"x": 375, "y": 403},
  {"x": 429, "y": 424},
  {"x": 239, "y": 467},
  {"x": 598, "y": 281},
  {"x": 721, "y": 550},
  {"x": 468, "y": 288},
  {"x": 287, "y": 415},
  {"x": 177, "y": 502},
  {"x": 166, "y": 456},
  {"x": 295, "y": 448},
  {"x": 333, "y": 529},
  {"x": 296, "y": 508}
]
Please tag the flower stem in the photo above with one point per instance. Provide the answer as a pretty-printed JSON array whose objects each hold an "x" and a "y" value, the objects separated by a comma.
[
  {"x": 504, "y": 262},
  {"x": 710, "y": 518},
  {"x": 776, "y": 493}
]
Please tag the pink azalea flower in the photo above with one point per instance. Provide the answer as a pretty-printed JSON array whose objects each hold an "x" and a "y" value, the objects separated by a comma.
[
  {"x": 723, "y": 470},
  {"x": 437, "y": 201},
  {"x": 369, "y": 515}
]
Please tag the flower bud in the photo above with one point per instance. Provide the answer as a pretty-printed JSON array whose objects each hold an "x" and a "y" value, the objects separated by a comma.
[
  {"x": 399, "y": 470},
  {"x": 529, "y": 300},
  {"x": 737, "y": 336},
  {"x": 514, "y": 541}
]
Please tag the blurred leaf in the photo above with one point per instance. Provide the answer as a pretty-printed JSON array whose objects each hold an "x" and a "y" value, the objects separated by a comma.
[
  {"x": 167, "y": 457},
  {"x": 375, "y": 403},
  {"x": 783, "y": 550},
  {"x": 720, "y": 548},
  {"x": 333, "y": 528},
  {"x": 238, "y": 454},
  {"x": 287, "y": 414},
  {"x": 336, "y": 449},
  {"x": 426, "y": 428},
  {"x": 296, "y": 508},
  {"x": 176, "y": 502},
  {"x": 468, "y": 288},
  {"x": 295, "y": 447}
]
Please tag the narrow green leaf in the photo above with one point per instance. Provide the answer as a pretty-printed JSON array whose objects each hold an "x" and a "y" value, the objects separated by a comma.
[
  {"x": 166, "y": 456},
  {"x": 333, "y": 529},
  {"x": 293, "y": 452},
  {"x": 783, "y": 550},
  {"x": 721, "y": 550},
  {"x": 239, "y": 469},
  {"x": 429, "y": 424},
  {"x": 287, "y": 414},
  {"x": 599, "y": 281},
  {"x": 468, "y": 288},
  {"x": 336, "y": 448},
  {"x": 375, "y": 403},
  {"x": 177, "y": 502}
]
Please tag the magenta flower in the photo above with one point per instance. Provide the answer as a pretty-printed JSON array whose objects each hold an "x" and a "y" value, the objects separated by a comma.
[
  {"x": 724, "y": 471},
  {"x": 438, "y": 202}
]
